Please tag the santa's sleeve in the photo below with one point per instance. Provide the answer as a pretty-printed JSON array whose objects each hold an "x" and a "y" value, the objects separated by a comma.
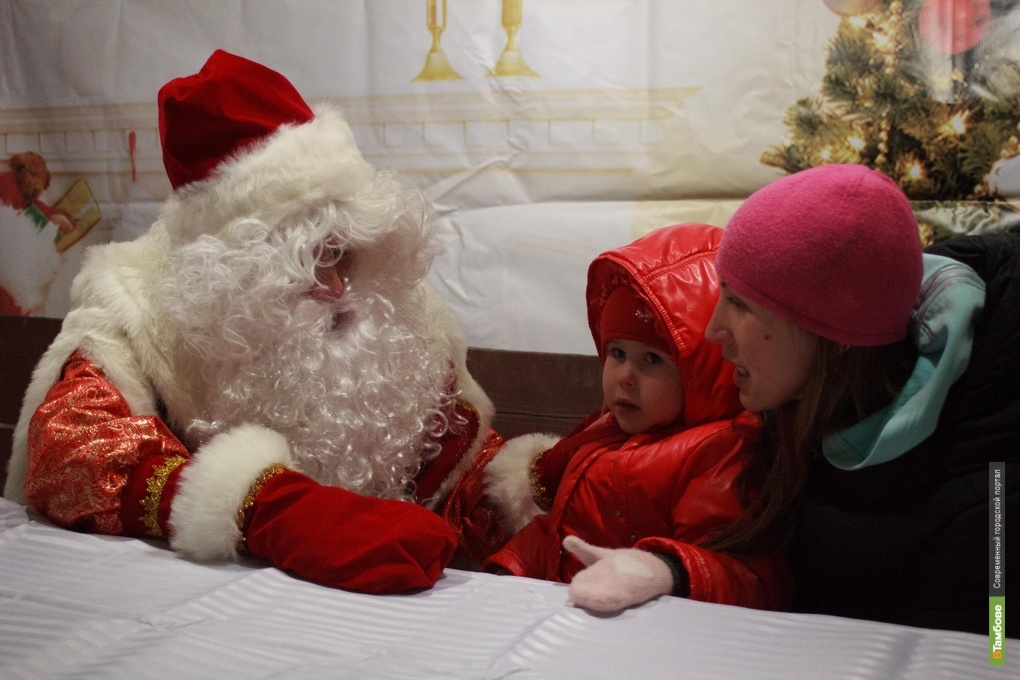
[
  {"x": 522, "y": 480},
  {"x": 473, "y": 520},
  {"x": 93, "y": 466},
  {"x": 83, "y": 445},
  {"x": 518, "y": 480},
  {"x": 493, "y": 498}
]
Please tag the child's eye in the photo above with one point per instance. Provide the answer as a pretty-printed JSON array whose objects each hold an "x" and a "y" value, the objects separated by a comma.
[
  {"x": 617, "y": 353},
  {"x": 653, "y": 358}
]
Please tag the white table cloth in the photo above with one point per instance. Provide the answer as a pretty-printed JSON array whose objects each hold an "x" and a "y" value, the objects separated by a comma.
[{"x": 84, "y": 606}]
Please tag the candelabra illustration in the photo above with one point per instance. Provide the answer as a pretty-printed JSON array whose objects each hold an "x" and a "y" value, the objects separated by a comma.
[
  {"x": 437, "y": 66},
  {"x": 511, "y": 61}
]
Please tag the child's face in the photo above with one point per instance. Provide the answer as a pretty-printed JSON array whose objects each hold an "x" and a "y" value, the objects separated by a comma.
[{"x": 641, "y": 386}]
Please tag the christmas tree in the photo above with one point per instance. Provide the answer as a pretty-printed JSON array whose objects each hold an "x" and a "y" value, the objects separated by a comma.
[{"x": 911, "y": 91}]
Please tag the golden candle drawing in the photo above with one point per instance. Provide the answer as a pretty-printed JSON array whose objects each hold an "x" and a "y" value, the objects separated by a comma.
[
  {"x": 437, "y": 66},
  {"x": 511, "y": 61}
]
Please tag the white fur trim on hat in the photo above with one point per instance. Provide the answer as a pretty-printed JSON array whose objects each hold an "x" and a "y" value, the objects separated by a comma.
[
  {"x": 508, "y": 479},
  {"x": 203, "y": 517},
  {"x": 297, "y": 168}
]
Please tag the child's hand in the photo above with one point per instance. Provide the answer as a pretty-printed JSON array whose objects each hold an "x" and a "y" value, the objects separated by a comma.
[{"x": 615, "y": 579}]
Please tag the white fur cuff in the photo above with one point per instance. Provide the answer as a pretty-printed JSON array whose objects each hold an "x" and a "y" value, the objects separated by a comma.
[
  {"x": 203, "y": 517},
  {"x": 508, "y": 479}
]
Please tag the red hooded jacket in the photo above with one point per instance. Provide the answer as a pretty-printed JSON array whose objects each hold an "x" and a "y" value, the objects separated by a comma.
[{"x": 666, "y": 490}]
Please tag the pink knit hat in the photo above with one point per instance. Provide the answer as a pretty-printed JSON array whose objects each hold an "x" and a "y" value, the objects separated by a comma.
[{"x": 833, "y": 249}]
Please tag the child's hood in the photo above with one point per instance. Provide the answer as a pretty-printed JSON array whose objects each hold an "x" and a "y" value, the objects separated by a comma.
[{"x": 673, "y": 270}]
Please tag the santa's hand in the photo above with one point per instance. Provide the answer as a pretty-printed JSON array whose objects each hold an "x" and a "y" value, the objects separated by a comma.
[
  {"x": 615, "y": 579},
  {"x": 326, "y": 534},
  {"x": 342, "y": 539}
]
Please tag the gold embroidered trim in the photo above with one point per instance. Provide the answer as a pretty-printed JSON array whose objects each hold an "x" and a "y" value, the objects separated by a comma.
[
  {"x": 468, "y": 406},
  {"x": 154, "y": 493},
  {"x": 249, "y": 501},
  {"x": 538, "y": 491}
]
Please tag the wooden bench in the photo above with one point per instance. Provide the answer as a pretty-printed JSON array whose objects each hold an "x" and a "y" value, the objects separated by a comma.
[{"x": 533, "y": 392}]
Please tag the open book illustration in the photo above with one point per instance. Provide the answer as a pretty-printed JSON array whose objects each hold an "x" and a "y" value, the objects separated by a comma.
[{"x": 80, "y": 204}]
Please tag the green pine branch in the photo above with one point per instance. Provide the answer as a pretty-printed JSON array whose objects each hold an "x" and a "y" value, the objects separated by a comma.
[{"x": 875, "y": 108}]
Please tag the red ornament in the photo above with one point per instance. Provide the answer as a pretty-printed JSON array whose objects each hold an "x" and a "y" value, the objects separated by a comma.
[
  {"x": 850, "y": 8},
  {"x": 954, "y": 26}
]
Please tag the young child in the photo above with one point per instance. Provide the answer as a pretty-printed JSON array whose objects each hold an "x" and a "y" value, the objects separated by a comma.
[{"x": 624, "y": 507}]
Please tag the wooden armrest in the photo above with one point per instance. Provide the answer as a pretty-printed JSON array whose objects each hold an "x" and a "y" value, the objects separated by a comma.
[
  {"x": 23, "y": 339},
  {"x": 535, "y": 391}
]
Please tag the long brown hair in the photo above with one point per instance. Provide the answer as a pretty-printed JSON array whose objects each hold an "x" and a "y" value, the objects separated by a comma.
[{"x": 847, "y": 385}]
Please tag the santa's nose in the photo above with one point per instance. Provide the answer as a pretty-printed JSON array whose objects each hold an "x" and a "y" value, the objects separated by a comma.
[{"x": 332, "y": 280}]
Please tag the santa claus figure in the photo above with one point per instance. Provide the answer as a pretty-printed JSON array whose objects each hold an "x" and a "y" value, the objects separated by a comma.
[
  {"x": 29, "y": 229},
  {"x": 265, "y": 370}
]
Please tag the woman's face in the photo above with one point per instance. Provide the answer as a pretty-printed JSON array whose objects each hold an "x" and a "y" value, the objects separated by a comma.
[{"x": 773, "y": 358}]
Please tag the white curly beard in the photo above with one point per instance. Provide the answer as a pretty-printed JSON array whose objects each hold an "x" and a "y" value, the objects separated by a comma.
[
  {"x": 358, "y": 386},
  {"x": 356, "y": 404}
]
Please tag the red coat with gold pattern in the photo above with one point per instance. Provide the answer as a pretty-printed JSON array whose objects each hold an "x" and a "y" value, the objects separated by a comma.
[{"x": 85, "y": 443}]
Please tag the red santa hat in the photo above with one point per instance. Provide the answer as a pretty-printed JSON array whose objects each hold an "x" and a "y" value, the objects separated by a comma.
[
  {"x": 239, "y": 142},
  {"x": 231, "y": 104}
]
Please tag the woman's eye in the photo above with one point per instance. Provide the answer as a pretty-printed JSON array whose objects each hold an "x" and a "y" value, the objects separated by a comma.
[{"x": 734, "y": 301}]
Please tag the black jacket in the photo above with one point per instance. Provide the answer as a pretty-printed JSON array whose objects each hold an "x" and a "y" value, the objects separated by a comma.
[{"x": 908, "y": 541}]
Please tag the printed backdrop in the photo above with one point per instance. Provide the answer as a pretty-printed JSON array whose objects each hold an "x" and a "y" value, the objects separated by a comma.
[{"x": 543, "y": 131}]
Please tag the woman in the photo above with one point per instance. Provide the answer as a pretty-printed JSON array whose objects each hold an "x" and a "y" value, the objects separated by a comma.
[{"x": 888, "y": 381}]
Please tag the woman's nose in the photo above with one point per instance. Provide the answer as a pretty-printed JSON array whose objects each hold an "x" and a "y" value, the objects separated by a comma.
[{"x": 715, "y": 331}]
